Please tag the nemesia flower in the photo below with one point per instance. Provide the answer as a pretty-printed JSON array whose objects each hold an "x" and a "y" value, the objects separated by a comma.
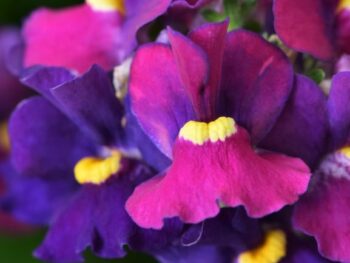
[
  {"x": 37, "y": 121},
  {"x": 199, "y": 146},
  {"x": 317, "y": 27},
  {"x": 213, "y": 161},
  {"x": 93, "y": 214},
  {"x": 323, "y": 211},
  {"x": 99, "y": 32}
]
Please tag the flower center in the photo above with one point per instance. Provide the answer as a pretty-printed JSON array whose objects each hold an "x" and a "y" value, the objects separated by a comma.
[
  {"x": 343, "y": 4},
  {"x": 272, "y": 250},
  {"x": 337, "y": 164},
  {"x": 97, "y": 170},
  {"x": 107, "y": 5},
  {"x": 201, "y": 132}
]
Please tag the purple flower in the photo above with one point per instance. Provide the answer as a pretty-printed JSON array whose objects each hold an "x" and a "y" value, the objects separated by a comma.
[
  {"x": 323, "y": 211},
  {"x": 176, "y": 98},
  {"x": 73, "y": 129}
]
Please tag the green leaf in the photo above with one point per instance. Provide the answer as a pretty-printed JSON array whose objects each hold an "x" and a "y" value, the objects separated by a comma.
[
  {"x": 212, "y": 16},
  {"x": 317, "y": 75}
]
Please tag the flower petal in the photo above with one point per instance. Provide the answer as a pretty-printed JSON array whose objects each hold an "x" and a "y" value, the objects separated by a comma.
[
  {"x": 158, "y": 99},
  {"x": 31, "y": 199},
  {"x": 43, "y": 79},
  {"x": 255, "y": 85},
  {"x": 343, "y": 29},
  {"x": 87, "y": 221},
  {"x": 338, "y": 110},
  {"x": 44, "y": 142},
  {"x": 324, "y": 214},
  {"x": 90, "y": 102},
  {"x": 229, "y": 173},
  {"x": 211, "y": 38},
  {"x": 136, "y": 138},
  {"x": 74, "y": 37},
  {"x": 193, "y": 72},
  {"x": 306, "y": 26},
  {"x": 139, "y": 13},
  {"x": 301, "y": 129},
  {"x": 96, "y": 217}
]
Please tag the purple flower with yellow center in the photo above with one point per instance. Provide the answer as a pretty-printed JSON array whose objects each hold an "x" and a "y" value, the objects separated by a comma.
[
  {"x": 74, "y": 131},
  {"x": 99, "y": 32},
  {"x": 206, "y": 88},
  {"x": 324, "y": 211},
  {"x": 318, "y": 27}
]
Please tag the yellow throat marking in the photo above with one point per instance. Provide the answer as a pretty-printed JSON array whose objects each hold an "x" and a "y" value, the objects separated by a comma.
[
  {"x": 97, "y": 170},
  {"x": 345, "y": 151},
  {"x": 343, "y": 4},
  {"x": 107, "y": 5},
  {"x": 201, "y": 132},
  {"x": 272, "y": 250}
]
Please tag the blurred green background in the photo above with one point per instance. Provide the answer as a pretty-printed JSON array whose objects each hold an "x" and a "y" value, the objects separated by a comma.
[{"x": 18, "y": 248}]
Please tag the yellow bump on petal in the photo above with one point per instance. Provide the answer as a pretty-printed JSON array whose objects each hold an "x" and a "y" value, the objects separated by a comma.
[
  {"x": 343, "y": 4},
  {"x": 201, "y": 132},
  {"x": 107, "y": 5},
  {"x": 4, "y": 137},
  {"x": 272, "y": 250},
  {"x": 97, "y": 170},
  {"x": 196, "y": 132},
  {"x": 345, "y": 151}
]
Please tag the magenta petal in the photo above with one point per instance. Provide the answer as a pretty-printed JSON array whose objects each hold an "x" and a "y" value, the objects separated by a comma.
[
  {"x": 211, "y": 37},
  {"x": 255, "y": 85},
  {"x": 75, "y": 38},
  {"x": 193, "y": 72},
  {"x": 324, "y": 214},
  {"x": 338, "y": 109},
  {"x": 229, "y": 172},
  {"x": 306, "y": 25},
  {"x": 302, "y": 127},
  {"x": 343, "y": 30},
  {"x": 158, "y": 99}
]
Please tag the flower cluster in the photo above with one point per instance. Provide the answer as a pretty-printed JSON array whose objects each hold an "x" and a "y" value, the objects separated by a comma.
[{"x": 191, "y": 130}]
